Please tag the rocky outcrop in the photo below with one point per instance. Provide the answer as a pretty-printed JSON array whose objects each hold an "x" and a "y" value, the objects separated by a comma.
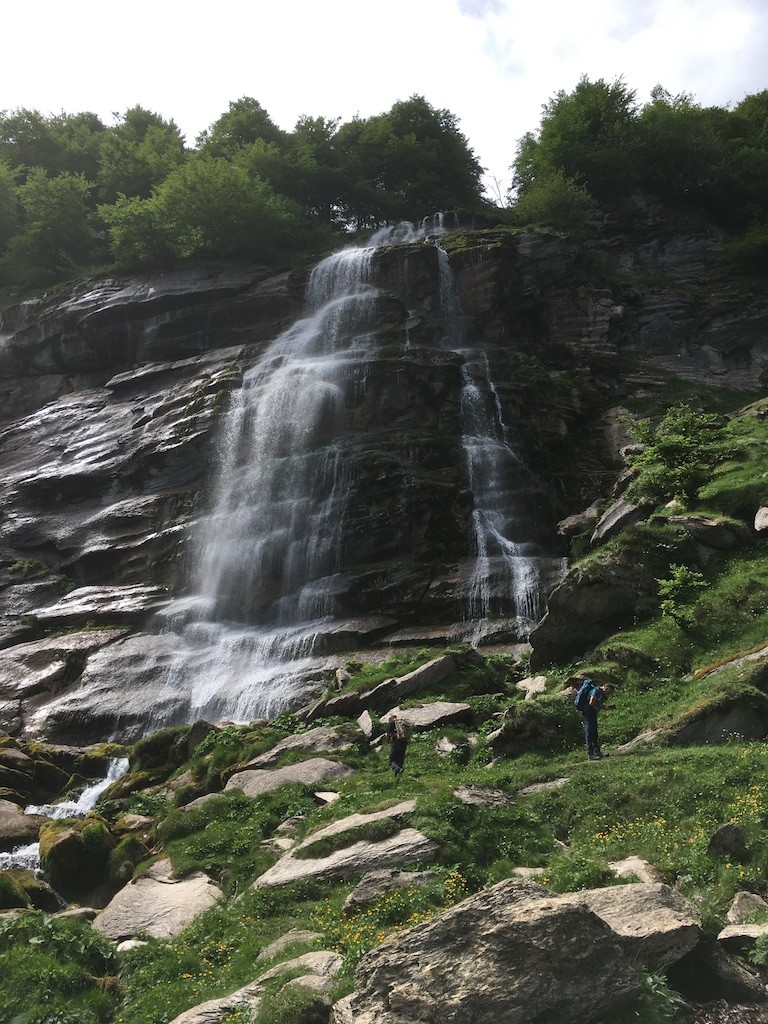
[
  {"x": 157, "y": 903},
  {"x": 114, "y": 391},
  {"x": 353, "y": 853},
  {"x": 591, "y": 603},
  {"x": 319, "y": 969},
  {"x": 17, "y": 828}
]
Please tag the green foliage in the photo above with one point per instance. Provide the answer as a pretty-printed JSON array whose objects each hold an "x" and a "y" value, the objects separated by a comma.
[
  {"x": 679, "y": 456},
  {"x": 573, "y": 870},
  {"x": 553, "y": 200},
  {"x": 57, "y": 232},
  {"x": 223, "y": 838},
  {"x": 678, "y": 592},
  {"x": 588, "y": 136},
  {"x": 658, "y": 1002},
  {"x": 162, "y": 749},
  {"x": 137, "y": 154},
  {"x": 55, "y": 971}
]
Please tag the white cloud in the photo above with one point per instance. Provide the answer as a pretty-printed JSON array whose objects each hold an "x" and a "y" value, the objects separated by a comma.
[{"x": 493, "y": 63}]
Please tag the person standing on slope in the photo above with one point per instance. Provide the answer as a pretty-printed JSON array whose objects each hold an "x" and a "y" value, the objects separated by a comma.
[{"x": 591, "y": 700}]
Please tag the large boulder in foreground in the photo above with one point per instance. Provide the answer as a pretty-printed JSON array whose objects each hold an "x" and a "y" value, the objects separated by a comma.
[
  {"x": 513, "y": 953},
  {"x": 157, "y": 903}
]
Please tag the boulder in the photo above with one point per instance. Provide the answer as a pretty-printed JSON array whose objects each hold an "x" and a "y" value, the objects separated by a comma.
[
  {"x": 744, "y": 905},
  {"x": 157, "y": 903},
  {"x": 379, "y": 696},
  {"x": 709, "y": 972},
  {"x": 654, "y": 924},
  {"x": 593, "y": 601},
  {"x": 636, "y": 867},
  {"x": 510, "y": 953},
  {"x": 308, "y": 773},
  {"x": 17, "y": 828},
  {"x": 75, "y": 854},
  {"x": 375, "y": 883},
  {"x": 741, "y": 938},
  {"x": 729, "y": 841},
  {"x": 320, "y": 966},
  {"x": 483, "y": 796},
  {"x": 620, "y": 515},
  {"x": 532, "y": 686},
  {"x": 761, "y": 519},
  {"x": 713, "y": 532}
]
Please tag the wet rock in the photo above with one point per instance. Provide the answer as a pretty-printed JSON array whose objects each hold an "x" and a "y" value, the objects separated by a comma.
[
  {"x": 75, "y": 854},
  {"x": 17, "y": 828}
]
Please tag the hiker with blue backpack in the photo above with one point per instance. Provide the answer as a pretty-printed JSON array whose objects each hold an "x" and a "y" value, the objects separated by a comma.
[{"x": 590, "y": 699}]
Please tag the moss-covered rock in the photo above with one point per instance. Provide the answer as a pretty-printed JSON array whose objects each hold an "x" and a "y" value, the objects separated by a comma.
[
  {"x": 549, "y": 723},
  {"x": 12, "y": 896},
  {"x": 75, "y": 854},
  {"x": 39, "y": 894}
]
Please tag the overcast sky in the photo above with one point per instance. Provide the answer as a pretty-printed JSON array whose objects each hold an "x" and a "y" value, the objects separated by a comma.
[{"x": 492, "y": 63}]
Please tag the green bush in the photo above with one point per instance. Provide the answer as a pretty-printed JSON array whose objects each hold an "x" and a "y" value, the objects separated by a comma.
[{"x": 55, "y": 970}]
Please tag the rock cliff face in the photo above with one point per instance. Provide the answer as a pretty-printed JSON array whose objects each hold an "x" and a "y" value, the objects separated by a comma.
[{"x": 114, "y": 392}]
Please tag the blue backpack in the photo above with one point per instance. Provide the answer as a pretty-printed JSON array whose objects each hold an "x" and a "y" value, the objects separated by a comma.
[{"x": 581, "y": 698}]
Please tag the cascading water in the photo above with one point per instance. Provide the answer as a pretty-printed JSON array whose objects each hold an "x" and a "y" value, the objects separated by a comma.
[
  {"x": 269, "y": 551},
  {"x": 508, "y": 571},
  {"x": 29, "y": 856}
]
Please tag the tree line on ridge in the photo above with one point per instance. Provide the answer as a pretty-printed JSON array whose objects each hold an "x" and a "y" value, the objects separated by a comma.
[{"x": 77, "y": 195}]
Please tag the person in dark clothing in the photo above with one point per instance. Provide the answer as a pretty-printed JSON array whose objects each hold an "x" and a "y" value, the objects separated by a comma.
[
  {"x": 398, "y": 735},
  {"x": 596, "y": 702}
]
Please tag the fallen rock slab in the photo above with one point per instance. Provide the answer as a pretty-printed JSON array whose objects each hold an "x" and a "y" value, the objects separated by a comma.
[
  {"x": 741, "y": 938},
  {"x": 157, "y": 903},
  {"x": 324, "y": 738},
  {"x": 377, "y": 882},
  {"x": 395, "y": 689},
  {"x": 257, "y": 781},
  {"x": 407, "y": 847},
  {"x": 430, "y": 716}
]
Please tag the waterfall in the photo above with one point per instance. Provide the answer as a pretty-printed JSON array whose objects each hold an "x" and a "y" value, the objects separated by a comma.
[
  {"x": 508, "y": 571},
  {"x": 29, "y": 856},
  {"x": 267, "y": 558}
]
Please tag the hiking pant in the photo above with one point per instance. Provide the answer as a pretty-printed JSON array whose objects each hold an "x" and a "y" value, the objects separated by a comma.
[
  {"x": 591, "y": 742},
  {"x": 397, "y": 755}
]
